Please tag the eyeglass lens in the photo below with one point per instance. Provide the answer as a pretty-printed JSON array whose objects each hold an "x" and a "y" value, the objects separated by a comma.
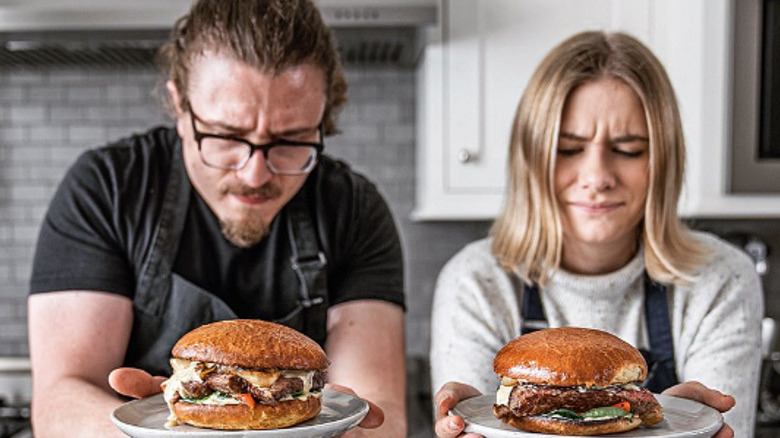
[{"x": 232, "y": 154}]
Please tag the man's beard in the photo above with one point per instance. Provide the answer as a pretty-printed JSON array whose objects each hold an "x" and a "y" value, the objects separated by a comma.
[{"x": 246, "y": 228}]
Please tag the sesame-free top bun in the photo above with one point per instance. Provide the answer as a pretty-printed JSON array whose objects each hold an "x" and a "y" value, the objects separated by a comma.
[
  {"x": 570, "y": 356},
  {"x": 251, "y": 343}
]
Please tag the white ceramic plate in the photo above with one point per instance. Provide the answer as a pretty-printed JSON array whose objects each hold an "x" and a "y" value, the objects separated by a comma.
[
  {"x": 682, "y": 419},
  {"x": 146, "y": 418}
]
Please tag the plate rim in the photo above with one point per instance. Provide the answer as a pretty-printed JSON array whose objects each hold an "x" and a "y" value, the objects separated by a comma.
[
  {"x": 304, "y": 430},
  {"x": 662, "y": 399}
]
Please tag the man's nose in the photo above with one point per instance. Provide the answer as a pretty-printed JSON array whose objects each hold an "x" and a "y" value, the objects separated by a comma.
[
  {"x": 256, "y": 172},
  {"x": 597, "y": 169}
]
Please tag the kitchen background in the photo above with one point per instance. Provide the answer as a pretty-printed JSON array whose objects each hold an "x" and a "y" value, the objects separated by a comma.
[
  {"x": 52, "y": 112},
  {"x": 50, "y": 115}
]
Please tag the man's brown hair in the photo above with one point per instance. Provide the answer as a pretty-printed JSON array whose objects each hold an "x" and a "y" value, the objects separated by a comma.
[{"x": 271, "y": 35}]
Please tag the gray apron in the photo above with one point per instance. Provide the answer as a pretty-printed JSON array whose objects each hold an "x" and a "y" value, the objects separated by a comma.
[{"x": 166, "y": 306}]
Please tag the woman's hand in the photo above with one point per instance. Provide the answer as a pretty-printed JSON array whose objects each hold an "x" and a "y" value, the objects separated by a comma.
[
  {"x": 696, "y": 391},
  {"x": 451, "y": 426},
  {"x": 134, "y": 382}
]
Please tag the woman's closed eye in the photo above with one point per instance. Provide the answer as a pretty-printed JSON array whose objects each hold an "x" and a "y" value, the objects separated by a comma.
[
  {"x": 568, "y": 145},
  {"x": 629, "y": 153},
  {"x": 568, "y": 151}
]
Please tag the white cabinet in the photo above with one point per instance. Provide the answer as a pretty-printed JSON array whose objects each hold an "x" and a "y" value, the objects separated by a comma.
[{"x": 479, "y": 57}]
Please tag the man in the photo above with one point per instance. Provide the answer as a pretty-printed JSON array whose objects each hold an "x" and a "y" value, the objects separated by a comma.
[{"x": 235, "y": 213}]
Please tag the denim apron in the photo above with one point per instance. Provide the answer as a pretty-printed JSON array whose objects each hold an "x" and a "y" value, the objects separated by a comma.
[
  {"x": 660, "y": 359},
  {"x": 166, "y": 306}
]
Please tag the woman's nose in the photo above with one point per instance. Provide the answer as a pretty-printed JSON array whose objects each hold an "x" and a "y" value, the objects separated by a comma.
[
  {"x": 256, "y": 172},
  {"x": 597, "y": 170}
]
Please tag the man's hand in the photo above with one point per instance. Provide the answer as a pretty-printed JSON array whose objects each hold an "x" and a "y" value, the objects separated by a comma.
[
  {"x": 372, "y": 420},
  {"x": 710, "y": 397},
  {"x": 366, "y": 350},
  {"x": 134, "y": 382},
  {"x": 451, "y": 426}
]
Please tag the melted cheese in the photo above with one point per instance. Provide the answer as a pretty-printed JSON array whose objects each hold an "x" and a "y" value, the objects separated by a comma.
[
  {"x": 260, "y": 379},
  {"x": 502, "y": 395}
]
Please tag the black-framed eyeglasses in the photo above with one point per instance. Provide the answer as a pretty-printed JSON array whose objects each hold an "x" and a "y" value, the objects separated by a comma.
[{"x": 282, "y": 156}]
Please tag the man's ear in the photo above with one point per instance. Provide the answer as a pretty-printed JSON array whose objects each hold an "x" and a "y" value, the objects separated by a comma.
[
  {"x": 173, "y": 92},
  {"x": 181, "y": 122}
]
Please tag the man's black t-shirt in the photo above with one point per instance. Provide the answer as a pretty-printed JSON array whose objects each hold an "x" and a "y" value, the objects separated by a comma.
[{"x": 98, "y": 229}]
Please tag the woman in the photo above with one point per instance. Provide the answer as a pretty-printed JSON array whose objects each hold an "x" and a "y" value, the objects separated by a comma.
[{"x": 589, "y": 236}]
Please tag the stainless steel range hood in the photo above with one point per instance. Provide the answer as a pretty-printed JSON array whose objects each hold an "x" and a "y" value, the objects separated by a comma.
[{"x": 113, "y": 32}]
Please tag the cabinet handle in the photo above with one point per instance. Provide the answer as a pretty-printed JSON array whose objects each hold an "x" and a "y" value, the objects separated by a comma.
[{"x": 465, "y": 156}]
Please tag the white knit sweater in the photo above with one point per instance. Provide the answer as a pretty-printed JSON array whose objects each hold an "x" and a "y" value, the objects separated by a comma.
[{"x": 715, "y": 322}]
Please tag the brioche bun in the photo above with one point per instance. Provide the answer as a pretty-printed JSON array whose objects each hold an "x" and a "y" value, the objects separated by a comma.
[
  {"x": 249, "y": 352},
  {"x": 570, "y": 356},
  {"x": 558, "y": 426},
  {"x": 251, "y": 343},
  {"x": 573, "y": 381},
  {"x": 241, "y": 416}
]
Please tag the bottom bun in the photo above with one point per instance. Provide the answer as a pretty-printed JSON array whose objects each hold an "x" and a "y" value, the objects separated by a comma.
[
  {"x": 241, "y": 416},
  {"x": 557, "y": 426}
]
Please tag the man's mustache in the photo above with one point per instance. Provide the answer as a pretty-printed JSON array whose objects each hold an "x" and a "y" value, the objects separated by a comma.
[{"x": 269, "y": 191}]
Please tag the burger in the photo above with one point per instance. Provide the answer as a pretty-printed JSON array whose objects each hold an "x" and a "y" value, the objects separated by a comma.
[
  {"x": 245, "y": 374},
  {"x": 573, "y": 381}
]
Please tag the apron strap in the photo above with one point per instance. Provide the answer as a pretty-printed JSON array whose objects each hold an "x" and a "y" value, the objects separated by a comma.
[
  {"x": 165, "y": 241},
  {"x": 660, "y": 359},
  {"x": 532, "y": 312},
  {"x": 308, "y": 262}
]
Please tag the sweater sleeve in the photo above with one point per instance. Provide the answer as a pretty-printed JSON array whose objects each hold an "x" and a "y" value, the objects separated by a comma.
[
  {"x": 720, "y": 334},
  {"x": 474, "y": 315}
]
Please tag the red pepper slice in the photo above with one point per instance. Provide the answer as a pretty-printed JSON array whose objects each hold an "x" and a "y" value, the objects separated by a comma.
[
  {"x": 246, "y": 399},
  {"x": 624, "y": 405}
]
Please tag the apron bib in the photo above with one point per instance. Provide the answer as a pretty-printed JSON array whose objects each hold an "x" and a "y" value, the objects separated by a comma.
[{"x": 166, "y": 306}]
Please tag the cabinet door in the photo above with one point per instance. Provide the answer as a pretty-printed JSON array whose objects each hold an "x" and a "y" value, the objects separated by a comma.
[
  {"x": 693, "y": 39},
  {"x": 476, "y": 64}
]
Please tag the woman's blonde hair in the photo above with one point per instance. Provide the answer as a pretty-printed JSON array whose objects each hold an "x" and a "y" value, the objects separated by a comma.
[{"x": 527, "y": 235}]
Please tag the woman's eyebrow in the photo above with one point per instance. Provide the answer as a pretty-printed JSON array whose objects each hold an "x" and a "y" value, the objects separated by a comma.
[
  {"x": 570, "y": 136},
  {"x": 628, "y": 138}
]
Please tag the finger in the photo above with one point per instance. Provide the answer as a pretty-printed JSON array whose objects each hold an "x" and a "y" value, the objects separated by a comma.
[
  {"x": 725, "y": 432},
  {"x": 449, "y": 427},
  {"x": 444, "y": 401},
  {"x": 696, "y": 391},
  {"x": 375, "y": 416},
  {"x": 450, "y": 394},
  {"x": 134, "y": 382}
]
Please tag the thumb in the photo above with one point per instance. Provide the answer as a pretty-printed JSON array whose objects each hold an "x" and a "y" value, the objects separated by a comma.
[
  {"x": 696, "y": 391},
  {"x": 450, "y": 394},
  {"x": 134, "y": 382},
  {"x": 375, "y": 416}
]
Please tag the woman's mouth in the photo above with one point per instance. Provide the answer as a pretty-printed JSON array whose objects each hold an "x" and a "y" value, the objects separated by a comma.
[{"x": 596, "y": 207}]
